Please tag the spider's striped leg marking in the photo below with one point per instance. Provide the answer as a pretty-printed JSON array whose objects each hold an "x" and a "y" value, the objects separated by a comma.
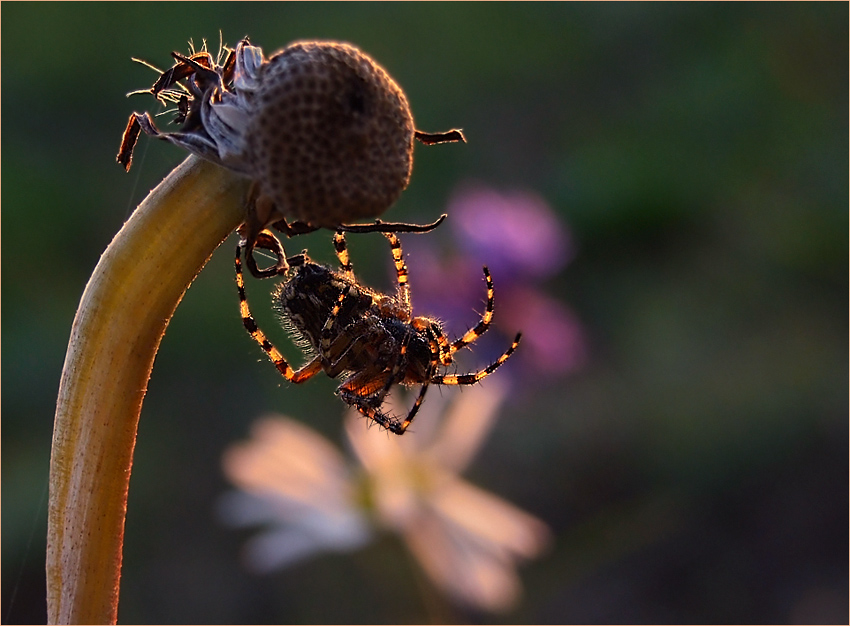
[
  {"x": 330, "y": 323},
  {"x": 471, "y": 379},
  {"x": 355, "y": 392},
  {"x": 333, "y": 349},
  {"x": 374, "y": 414},
  {"x": 342, "y": 254},
  {"x": 296, "y": 376},
  {"x": 400, "y": 270},
  {"x": 482, "y": 326}
]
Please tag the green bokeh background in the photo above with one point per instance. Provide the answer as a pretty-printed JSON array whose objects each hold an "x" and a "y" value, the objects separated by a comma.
[{"x": 694, "y": 471}]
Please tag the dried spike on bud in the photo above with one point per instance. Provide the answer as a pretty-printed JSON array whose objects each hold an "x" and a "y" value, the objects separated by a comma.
[{"x": 450, "y": 136}]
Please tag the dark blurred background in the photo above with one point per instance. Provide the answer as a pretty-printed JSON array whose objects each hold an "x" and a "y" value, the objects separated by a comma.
[{"x": 693, "y": 469}]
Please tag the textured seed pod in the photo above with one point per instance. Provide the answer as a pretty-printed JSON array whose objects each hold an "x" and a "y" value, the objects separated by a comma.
[
  {"x": 321, "y": 129},
  {"x": 330, "y": 134}
]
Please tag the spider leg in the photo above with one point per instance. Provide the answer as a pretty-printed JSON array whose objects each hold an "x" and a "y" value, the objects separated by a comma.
[
  {"x": 471, "y": 379},
  {"x": 335, "y": 355},
  {"x": 265, "y": 240},
  {"x": 260, "y": 211},
  {"x": 396, "y": 374},
  {"x": 295, "y": 376},
  {"x": 302, "y": 228},
  {"x": 373, "y": 413},
  {"x": 482, "y": 326},
  {"x": 341, "y": 250},
  {"x": 356, "y": 392},
  {"x": 415, "y": 408},
  {"x": 330, "y": 323},
  {"x": 400, "y": 270},
  {"x": 361, "y": 392},
  {"x": 335, "y": 347},
  {"x": 295, "y": 228},
  {"x": 445, "y": 348}
]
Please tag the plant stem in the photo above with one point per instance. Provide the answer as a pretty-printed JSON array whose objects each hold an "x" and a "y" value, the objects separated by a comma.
[{"x": 123, "y": 313}]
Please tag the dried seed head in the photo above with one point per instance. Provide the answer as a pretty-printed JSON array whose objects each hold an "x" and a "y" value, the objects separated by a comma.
[
  {"x": 330, "y": 134},
  {"x": 322, "y": 130}
]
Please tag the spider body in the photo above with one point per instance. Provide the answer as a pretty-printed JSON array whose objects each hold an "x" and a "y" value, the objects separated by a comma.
[{"x": 369, "y": 340}]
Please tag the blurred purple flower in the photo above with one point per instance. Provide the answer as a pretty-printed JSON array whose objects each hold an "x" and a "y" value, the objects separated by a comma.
[
  {"x": 515, "y": 233},
  {"x": 552, "y": 332}
]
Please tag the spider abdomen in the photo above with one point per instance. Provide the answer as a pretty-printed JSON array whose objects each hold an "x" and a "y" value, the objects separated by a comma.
[{"x": 305, "y": 300}]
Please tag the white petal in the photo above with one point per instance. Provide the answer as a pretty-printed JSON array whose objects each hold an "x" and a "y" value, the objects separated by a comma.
[
  {"x": 463, "y": 570},
  {"x": 288, "y": 460},
  {"x": 240, "y": 509},
  {"x": 282, "y": 547},
  {"x": 378, "y": 450},
  {"x": 495, "y": 524},
  {"x": 466, "y": 424}
]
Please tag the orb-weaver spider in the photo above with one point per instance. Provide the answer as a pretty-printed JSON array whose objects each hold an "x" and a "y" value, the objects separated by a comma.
[{"x": 369, "y": 339}]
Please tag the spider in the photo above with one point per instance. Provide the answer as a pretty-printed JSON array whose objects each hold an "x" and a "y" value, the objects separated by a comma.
[
  {"x": 369, "y": 339},
  {"x": 325, "y": 135}
]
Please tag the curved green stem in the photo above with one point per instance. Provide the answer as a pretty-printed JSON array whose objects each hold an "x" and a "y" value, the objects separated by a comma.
[{"x": 122, "y": 317}]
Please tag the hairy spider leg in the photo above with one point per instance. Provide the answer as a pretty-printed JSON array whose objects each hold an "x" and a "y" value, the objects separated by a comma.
[
  {"x": 424, "y": 324},
  {"x": 400, "y": 270},
  {"x": 300, "y": 375},
  {"x": 369, "y": 404},
  {"x": 330, "y": 323},
  {"x": 265, "y": 240},
  {"x": 482, "y": 326},
  {"x": 341, "y": 250},
  {"x": 445, "y": 348},
  {"x": 260, "y": 209},
  {"x": 471, "y": 379},
  {"x": 415, "y": 408}
]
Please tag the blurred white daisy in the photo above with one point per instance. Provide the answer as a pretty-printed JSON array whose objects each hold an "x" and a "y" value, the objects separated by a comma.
[{"x": 311, "y": 499}]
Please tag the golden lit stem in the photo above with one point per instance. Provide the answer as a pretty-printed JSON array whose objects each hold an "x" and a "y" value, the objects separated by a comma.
[{"x": 122, "y": 316}]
